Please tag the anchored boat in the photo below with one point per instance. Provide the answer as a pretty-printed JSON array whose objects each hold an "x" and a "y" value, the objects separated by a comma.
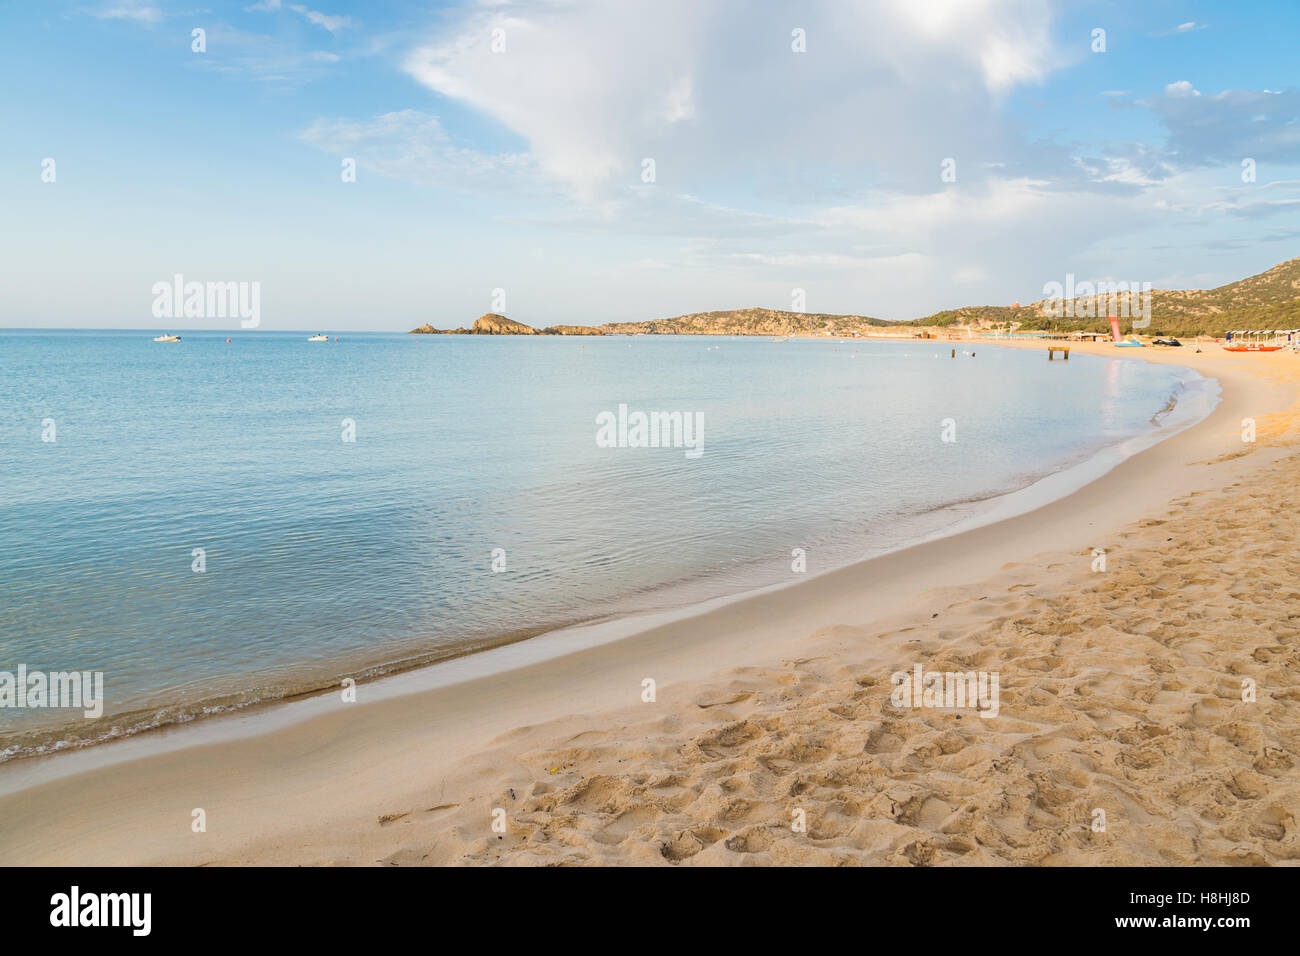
[{"x": 167, "y": 338}]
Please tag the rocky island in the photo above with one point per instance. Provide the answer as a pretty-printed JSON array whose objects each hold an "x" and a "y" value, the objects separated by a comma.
[{"x": 493, "y": 324}]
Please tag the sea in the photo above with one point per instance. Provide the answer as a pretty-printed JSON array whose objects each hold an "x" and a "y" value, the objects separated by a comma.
[{"x": 243, "y": 517}]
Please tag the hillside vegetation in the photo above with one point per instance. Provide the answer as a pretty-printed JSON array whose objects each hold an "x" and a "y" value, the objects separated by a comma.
[{"x": 1269, "y": 300}]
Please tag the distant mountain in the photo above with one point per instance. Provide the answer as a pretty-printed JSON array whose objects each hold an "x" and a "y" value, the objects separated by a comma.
[{"x": 751, "y": 321}]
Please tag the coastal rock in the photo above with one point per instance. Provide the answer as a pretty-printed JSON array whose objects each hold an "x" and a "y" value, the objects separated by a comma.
[
  {"x": 493, "y": 324},
  {"x": 571, "y": 330},
  {"x": 752, "y": 321}
]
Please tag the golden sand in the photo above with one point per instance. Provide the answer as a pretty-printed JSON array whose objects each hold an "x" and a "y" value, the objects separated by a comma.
[{"x": 1120, "y": 691}]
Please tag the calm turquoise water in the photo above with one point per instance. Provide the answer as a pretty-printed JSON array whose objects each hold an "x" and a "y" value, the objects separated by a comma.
[{"x": 327, "y": 558}]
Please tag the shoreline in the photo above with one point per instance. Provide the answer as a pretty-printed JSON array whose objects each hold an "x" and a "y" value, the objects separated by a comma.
[
  {"x": 394, "y": 748},
  {"x": 175, "y": 720}
]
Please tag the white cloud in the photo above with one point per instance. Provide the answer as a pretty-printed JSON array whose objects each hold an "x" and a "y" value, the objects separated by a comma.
[
  {"x": 713, "y": 91},
  {"x": 1187, "y": 27},
  {"x": 841, "y": 146},
  {"x": 1008, "y": 40},
  {"x": 681, "y": 104},
  {"x": 994, "y": 204}
]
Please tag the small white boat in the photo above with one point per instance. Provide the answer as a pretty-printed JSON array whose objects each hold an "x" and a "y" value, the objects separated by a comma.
[
  {"x": 167, "y": 338},
  {"x": 318, "y": 338}
]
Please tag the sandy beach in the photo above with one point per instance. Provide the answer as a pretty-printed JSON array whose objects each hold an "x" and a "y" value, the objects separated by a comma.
[{"x": 1121, "y": 691}]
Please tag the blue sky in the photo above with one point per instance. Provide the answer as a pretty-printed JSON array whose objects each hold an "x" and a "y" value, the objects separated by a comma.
[{"x": 520, "y": 167}]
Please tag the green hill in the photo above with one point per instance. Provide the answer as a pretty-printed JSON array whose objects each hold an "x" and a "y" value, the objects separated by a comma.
[{"x": 1270, "y": 300}]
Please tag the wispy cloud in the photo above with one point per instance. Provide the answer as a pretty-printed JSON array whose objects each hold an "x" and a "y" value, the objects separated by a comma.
[
  {"x": 1187, "y": 27},
  {"x": 331, "y": 23},
  {"x": 140, "y": 11},
  {"x": 262, "y": 57},
  {"x": 413, "y": 146}
]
